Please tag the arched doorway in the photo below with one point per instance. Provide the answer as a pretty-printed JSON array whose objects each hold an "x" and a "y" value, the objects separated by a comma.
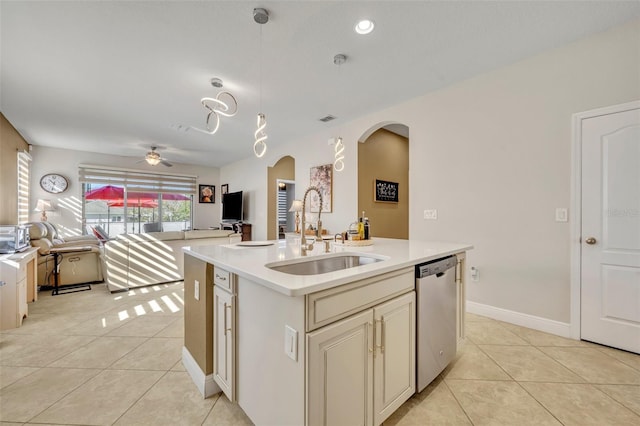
[
  {"x": 282, "y": 172},
  {"x": 383, "y": 155}
]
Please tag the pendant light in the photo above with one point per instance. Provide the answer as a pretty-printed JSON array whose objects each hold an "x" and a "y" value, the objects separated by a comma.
[
  {"x": 224, "y": 104},
  {"x": 261, "y": 16},
  {"x": 338, "y": 146}
]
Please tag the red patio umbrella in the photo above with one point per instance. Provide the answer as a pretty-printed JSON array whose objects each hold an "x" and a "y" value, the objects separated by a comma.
[
  {"x": 114, "y": 195},
  {"x": 110, "y": 192},
  {"x": 107, "y": 192},
  {"x": 133, "y": 203}
]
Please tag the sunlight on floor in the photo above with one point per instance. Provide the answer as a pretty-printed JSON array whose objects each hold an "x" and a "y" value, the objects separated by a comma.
[
  {"x": 173, "y": 303},
  {"x": 172, "y": 306}
]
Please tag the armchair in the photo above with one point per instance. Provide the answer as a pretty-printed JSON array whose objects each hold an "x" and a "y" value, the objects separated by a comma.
[{"x": 79, "y": 257}]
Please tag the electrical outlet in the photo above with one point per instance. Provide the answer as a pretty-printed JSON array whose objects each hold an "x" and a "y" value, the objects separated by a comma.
[
  {"x": 431, "y": 214},
  {"x": 196, "y": 289},
  {"x": 475, "y": 274},
  {"x": 291, "y": 342}
]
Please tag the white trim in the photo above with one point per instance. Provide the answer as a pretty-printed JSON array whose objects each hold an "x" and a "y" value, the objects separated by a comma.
[
  {"x": 575, "y": 213},
  {"x": 381, "y": 125},
  {"x": 558, "y": 328},
  {"x": 205, "y": 384}
]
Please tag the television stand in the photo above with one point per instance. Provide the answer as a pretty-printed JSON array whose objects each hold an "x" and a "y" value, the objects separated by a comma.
[{"x": 239, "y": 227}]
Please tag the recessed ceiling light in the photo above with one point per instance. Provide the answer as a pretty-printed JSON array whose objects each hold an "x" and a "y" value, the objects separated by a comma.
[{"x": 364, "y": 26}]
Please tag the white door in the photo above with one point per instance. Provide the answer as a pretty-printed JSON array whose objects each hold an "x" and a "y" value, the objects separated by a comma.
[{"x": 610, "y": 235}]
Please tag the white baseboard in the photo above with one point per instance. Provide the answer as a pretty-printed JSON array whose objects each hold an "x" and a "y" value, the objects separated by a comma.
[
  {"x": 558, "y": 328},
  {"x": 205, "y": 384}
]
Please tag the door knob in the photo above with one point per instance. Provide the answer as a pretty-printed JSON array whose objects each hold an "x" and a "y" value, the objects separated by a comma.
[{"x": 590, "y": 241}]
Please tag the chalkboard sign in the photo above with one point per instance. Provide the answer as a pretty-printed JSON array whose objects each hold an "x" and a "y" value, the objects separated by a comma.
[{"x": 386, "y": 192}]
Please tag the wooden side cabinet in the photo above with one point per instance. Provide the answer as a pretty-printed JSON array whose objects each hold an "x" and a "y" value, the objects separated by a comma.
[
  {"x": 18, "y": 278},
  {"x": 245, "y": 230}
]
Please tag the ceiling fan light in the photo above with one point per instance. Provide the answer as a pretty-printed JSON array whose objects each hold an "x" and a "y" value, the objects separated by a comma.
[
  {"x": 152, "y": 157},
  {"x": 364, "y": 26}
]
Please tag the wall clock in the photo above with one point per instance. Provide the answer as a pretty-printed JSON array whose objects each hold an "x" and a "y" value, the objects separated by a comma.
[{"x": 54, "y": 183}]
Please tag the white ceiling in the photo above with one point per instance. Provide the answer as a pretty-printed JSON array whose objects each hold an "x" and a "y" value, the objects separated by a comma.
[{"x": 117, "y": 77}]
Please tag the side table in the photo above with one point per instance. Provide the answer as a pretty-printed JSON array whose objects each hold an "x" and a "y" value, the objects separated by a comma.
[{"x": 57, "y": 258}]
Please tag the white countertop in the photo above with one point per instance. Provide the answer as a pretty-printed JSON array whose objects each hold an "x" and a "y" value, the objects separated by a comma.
[{"x": 249, "y": 262}]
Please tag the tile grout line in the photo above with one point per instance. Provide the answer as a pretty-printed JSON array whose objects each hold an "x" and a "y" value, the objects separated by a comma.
[
  {"x": 457, "y": 401},
  {"x": 140, "y": 397},
  {"x": 614, "y": 399}
]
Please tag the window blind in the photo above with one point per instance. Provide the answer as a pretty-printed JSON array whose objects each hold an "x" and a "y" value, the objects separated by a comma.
[
  {"x": 24, "y": 167},
  {"x": 282, "y": 207},
  {"x": 135, "y": 180}
]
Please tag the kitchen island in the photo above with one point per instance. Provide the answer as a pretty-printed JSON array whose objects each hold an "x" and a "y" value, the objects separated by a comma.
[{"x": 330, "y": 348}]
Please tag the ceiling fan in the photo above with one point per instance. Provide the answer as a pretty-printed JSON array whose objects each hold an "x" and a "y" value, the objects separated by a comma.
[{"x": 153, "y": 158}]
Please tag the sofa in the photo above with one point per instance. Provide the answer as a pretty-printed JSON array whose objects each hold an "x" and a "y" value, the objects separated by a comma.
[
  {"x": 136, "y": 260},
  {"x": 80, "y": 263}
]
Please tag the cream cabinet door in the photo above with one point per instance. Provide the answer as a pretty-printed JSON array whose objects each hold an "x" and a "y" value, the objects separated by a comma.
[
  {"x": 224, "y": 353},
  {"x": 340, "y": 372},
  {"x": 394, "y": 355}
]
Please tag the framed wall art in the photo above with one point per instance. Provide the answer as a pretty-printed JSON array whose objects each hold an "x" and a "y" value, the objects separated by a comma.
[
  {"x": 385, "y": 191},
  {"x": 207, "y": 194},
  {"x": 322, "y": 178}
]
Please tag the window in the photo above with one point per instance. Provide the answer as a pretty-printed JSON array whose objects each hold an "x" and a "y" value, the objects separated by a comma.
[
  {"x": 24, "y": 167},
  {"x": 122, "y": 201}
]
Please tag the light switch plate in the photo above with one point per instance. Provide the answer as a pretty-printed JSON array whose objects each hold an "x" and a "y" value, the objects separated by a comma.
[
  {"x": 562, "y": 214},
  {"x": 431, "y": 214},
  {"x": 291, "y": 342},
  {"x": 196, "y": 290}
]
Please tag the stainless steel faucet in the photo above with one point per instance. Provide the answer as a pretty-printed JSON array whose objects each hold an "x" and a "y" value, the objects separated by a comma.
[{"x": 303, "y": 241}]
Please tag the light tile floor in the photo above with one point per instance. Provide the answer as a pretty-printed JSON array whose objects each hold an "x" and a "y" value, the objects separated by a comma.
[{"x": 95, "y": 358}]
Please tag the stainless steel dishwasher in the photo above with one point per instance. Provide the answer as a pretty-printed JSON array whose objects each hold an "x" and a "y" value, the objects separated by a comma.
[{"x": 436, "y": 318}]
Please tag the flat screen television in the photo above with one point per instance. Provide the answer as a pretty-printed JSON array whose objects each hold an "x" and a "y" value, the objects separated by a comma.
[{"x": 232, "y": 207}]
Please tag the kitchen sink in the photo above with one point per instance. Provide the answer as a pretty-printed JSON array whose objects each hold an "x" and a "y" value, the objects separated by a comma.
[{"x": 324, "y": 264}]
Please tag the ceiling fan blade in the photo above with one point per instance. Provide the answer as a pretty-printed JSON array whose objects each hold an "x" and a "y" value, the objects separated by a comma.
[{"x": 166, "y": 163}]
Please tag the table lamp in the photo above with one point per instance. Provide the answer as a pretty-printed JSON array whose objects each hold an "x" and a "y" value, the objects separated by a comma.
[
  {"x": 296, "y": 206},
  {"x": 43, "y": 206}
]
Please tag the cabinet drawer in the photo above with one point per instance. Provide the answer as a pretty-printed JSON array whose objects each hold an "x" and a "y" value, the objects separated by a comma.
[
  {"x": 224, "y": 279},
  {"x": 327, "y": 306}
]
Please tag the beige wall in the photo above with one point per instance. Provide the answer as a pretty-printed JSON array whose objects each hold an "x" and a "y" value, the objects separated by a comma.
[
  {"x": 493, "y": 155},
  {"x": 384, "y": 155},
  {"x": 198, "y": 314},
  {"x": 10, "y": 144},
  {"x": 284, "y": 169}
]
